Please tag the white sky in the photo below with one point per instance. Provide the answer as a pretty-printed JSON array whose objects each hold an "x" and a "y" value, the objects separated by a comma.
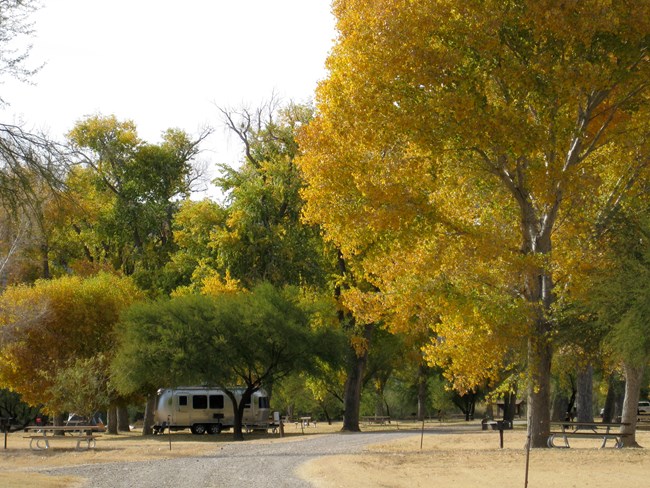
[{"x": 169, "y": 63}]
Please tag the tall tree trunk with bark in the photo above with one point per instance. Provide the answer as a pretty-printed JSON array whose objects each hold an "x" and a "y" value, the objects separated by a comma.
[
  {"x": 150, "y": 407},
  {"x": 633, "y": 378},
  {"x": 539, "y": 364},
  {"x": 538, "y": 290},
  {"x": 585, "y": 394},
  {"x": 123, "y": 419},
  {"x": 111, "y": 419},
  {"x": 357, "y": 360},
  {"x": 560, "y": 406},
  {"x": 45, "y": 259},
  {"x": 509, "y": 406},
  {"x": 352, "y": 399},
  {"x": 613, "y": 408}
]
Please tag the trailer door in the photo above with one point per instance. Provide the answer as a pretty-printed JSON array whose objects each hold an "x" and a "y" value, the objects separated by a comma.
[{"x": 182, "y": 410}]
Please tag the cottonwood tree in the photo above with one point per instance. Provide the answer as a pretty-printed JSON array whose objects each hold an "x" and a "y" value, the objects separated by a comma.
[
  {"x": 463, "y": 147},
  {"x": 264, "y": 237},
  {"x": 138, "y": 186}
]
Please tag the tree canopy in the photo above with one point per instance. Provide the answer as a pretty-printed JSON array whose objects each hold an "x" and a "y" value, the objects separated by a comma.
[
  {"x": 246, "y": 338},
  {"x": 46, "y": 327},
  {"x": 129, "y": 192},
  {"x": 466, "y": 150}
]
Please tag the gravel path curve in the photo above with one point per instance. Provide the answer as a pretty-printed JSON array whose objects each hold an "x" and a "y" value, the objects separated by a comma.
[{"x": 233, "y": 465}]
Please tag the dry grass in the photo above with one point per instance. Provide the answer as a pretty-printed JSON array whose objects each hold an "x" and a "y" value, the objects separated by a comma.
[
  {"x": 471, "y": 459},
  {"x": 450, "y": 459}
]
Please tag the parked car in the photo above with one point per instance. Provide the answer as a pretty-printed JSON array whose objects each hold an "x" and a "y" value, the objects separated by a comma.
[{"x": 644, "y": 406}]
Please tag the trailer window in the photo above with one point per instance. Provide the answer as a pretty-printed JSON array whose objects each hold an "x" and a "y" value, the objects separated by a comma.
[
  {"x": 182, "y": 400},
  {"x": 200, "y": 401},
  {"x": 264, "y": 402},
  {"x": 216, "y": 401}
]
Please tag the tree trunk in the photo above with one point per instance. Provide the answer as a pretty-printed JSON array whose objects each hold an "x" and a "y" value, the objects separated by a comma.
[
  {"x": 352, "y": 399},
  {"x": 633, "y": 378},
  {"x": 613, "y": 408},
  {"x": 536, "y": 231},
  {"x": 539, "y": 411},
  {"x": 59, "y": 420},
  {"x": 238, "y": 431},
  {"x": 471, "y": 406},
  {"x": 123, "y": 419},
  {"x": 585, "y": 394},
  {"x": 150, "y": 407},
  {"x": 560, "y": 406},
  {"x": 509, "y": 406},
  {"x": 326, "y": 413},
  {"x": 111, "y": 419},
  {"x": 45, "y": 259},
  {"x": 570, "y": 408}
]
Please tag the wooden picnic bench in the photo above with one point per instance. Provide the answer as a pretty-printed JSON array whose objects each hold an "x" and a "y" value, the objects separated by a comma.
[
  {"x": 587, "y": 430},
  {"x": 83, "y": 435}
]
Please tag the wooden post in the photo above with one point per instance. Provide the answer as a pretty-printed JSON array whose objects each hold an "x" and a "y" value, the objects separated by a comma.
[
  {"x": 527, "y": 459},
  {"x": 422, "y": 435},
  {"x": 169, "y": 429}
]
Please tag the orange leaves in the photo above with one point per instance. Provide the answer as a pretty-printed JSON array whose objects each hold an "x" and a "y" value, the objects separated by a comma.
[{"x": 464, "y": 152}]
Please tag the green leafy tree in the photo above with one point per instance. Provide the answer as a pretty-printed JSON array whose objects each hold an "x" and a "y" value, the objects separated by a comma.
[
  {"x": 247, "y": 338},
  {"x": 621, "y": 298},
  {"x": 139, "y": 187},
  {"x": 12, "y": 407},
  {"x": 83, "y": 386},
  {"x": 263, "y": 238},
  {"x": 193, "y": 227}
]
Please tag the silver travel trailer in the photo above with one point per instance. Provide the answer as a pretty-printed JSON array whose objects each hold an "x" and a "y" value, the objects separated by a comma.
[{"x": 202, "y": 409}]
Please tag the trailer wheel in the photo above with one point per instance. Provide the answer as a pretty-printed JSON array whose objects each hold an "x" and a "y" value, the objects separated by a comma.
[
  {"x": 214, "y": 429},
  {"x": 198, "y": 429}
]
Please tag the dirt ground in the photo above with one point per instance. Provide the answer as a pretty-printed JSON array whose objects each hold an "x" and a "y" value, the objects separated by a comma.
[{"x": 461, "y": 460}]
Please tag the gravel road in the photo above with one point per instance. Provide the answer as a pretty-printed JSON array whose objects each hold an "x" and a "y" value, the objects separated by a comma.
[{"x": 233, "y": 465}]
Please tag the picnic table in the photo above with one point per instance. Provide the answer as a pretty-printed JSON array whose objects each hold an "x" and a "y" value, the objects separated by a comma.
[
  {"x": 587, "y": 430},
  {"x": 83, "y": 435}
]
